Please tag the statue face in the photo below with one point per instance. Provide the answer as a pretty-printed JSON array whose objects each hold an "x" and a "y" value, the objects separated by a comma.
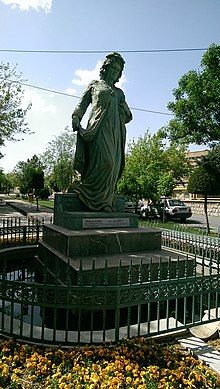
[{"x": 113, "y": 71}]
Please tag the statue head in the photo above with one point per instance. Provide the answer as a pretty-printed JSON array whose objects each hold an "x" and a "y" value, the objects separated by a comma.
[{"x": 109, "y": 59}]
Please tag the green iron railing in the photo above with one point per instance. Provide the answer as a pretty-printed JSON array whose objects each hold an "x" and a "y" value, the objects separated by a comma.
[
  {"x": 18, "y": 231},
  {"x": 201, "y": 245},
  {"x": 145, "y": 296}
]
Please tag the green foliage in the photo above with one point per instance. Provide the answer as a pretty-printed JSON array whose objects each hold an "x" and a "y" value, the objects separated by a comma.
[
  {"x": 58, "y": 161},
  {"x": 201, "y": 181},
  {"x": 7, "y": 182},
  {"x": 64, "y": 144},
  {"x": 12, "y": 115},
  {"x": 205, "y": 178},
  {"x": 63, "y": 172},
  {"x": 30, "y": 175},
  {"x": 197, "y": 101},
  {"x": 152, "y": 168},
  {"x": 44, "y": 193},
  {"x": 2, "y": 181},
  {"x": 165, "y": 184}
]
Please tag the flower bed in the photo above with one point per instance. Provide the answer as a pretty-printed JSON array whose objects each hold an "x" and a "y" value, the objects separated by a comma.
[{"x": 135, "y": 363}]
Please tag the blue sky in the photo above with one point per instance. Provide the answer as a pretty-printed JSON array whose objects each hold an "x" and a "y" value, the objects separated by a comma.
[{"x": 100, "y": 25}]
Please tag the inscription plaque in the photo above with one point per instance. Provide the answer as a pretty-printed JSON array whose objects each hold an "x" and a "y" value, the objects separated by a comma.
[{"x": 105, "y": 222}]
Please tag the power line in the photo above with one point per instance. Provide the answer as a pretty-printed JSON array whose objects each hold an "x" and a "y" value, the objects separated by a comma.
[
  {"x": 77, "y": 97},
  {"x": 44, "y": 89},
  {"x": 102, "y": 51},
  {"x": 151, "y": 111}
]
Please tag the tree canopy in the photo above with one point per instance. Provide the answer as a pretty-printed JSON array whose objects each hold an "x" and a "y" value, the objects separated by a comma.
[
  {"x": 58, "y": 160},
  {"x": 12, "y": 114},
  {"x": 152, "y": 168},
  {"x": 30, "y": 175},
  {"x": 196, "y": 107},
  {"x": 205, "y": 178}
]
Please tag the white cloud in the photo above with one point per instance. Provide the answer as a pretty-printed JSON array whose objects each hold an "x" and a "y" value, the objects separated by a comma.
[
  {"x": 24, "y": 5},
  {"x": 71, "y": 91},
  {"x": 84, "y": 76},
  {"x": 39, "y": 104}
]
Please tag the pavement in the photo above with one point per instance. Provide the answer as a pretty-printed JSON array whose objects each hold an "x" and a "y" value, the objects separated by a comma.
[
  {"x": 13, "y": 208},
  {"x": 200, "y": 221},
  {"x": 204, "y": 352}
]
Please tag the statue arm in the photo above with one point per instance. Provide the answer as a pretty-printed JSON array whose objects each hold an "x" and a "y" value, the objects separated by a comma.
[
  {"x": 126, "y": 112},
  {"x": 81, "y": 108}
]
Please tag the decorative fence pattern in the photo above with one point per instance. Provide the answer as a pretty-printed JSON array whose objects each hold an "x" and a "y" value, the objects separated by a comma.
[
  {"x": 202, "y": 245},
  {"x": 146, "y": 298},
  {"x": 49, "y": 303},
  {"x": 15, "y": 231}
]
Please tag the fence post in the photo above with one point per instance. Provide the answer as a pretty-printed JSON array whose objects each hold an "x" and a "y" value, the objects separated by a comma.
[
  {"x": 24, "y": 235},
  {"x": 38, "y": 230}
]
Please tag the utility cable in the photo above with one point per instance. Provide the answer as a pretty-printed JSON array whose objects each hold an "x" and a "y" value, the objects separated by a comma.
[
  {"x": 103, "y": 51},
  {"x": 77, "y": 97}
]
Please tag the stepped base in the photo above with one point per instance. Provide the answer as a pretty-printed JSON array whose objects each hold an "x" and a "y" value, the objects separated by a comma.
[
  {"x": 114, "y": 269},
  {"x": 82, "y": 243}
]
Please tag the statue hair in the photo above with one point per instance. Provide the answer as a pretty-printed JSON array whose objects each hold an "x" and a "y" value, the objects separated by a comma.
[{"x": 109, "y": 59}]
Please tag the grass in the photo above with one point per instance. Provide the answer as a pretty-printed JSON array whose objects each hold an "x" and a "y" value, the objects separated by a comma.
[
  {"x": 135, "y": 363},
  {"x": 169, "y": 225},
  {"x": 45, "y": 203}
]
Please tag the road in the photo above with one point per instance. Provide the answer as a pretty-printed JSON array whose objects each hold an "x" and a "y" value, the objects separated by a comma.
[{"x": 199, "y": 220}]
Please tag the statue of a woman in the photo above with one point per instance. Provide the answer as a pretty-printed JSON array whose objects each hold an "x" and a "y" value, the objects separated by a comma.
[{"x": 100, "y": 147}]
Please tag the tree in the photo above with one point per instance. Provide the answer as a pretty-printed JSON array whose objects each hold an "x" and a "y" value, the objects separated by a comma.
[
  {"x": 152, "y": 168},
  {"x": 12, "y": 115},
  {"x": 197, "y": 101},
  {"x": 65, "y": 143},
  {"x": 30, "y": 175},
  {"x": 205, "y": 178},
  {"x": 58, "y": 158},
  {"x": 2, "y": 181},
  {"x": 6, "y": 182},
  {"x": 63, "y": 172}
]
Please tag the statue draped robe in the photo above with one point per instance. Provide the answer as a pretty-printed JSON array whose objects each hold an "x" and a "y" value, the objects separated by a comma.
[{"x": 100, "y": 149}]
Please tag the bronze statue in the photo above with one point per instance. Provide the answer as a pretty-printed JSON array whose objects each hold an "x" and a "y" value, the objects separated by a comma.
[{"x": 100, "y": 147}]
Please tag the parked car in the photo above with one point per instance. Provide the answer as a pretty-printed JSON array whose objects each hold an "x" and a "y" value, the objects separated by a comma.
[
  {"x": 132, "y": 208},
  {"x": 168, "y": 208},
  {"x": 175, "y": 209}
]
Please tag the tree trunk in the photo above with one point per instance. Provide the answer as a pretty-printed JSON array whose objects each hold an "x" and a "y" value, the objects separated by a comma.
[{"x": 206, "y": 214}]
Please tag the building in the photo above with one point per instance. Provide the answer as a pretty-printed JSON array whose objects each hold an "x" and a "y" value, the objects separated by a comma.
[{"x": 180, "y": 191}]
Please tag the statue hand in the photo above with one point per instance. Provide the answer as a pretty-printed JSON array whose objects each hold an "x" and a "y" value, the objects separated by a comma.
[{"x": 75, "y": 123}]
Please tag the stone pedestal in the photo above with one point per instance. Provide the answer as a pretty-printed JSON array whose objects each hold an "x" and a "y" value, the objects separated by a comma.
[
  {"x": 71, "y": 213},
  {"x": 78, "y": 233},
  {"x": 92, "y": 249}
]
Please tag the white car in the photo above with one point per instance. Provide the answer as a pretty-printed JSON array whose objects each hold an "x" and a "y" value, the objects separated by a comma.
[{"x": 176, "y": 209}]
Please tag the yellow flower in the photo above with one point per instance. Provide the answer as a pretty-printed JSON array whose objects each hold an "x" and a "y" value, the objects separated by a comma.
[
  {"x": 101, "y": 352},
  {"x": 5, "y": 370},
  {"x": 88, "y": 353},
  {"x": 128, "y": 368},
  {"x": 14, "y": 377},
  {"x": 128, "y": 380}
]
